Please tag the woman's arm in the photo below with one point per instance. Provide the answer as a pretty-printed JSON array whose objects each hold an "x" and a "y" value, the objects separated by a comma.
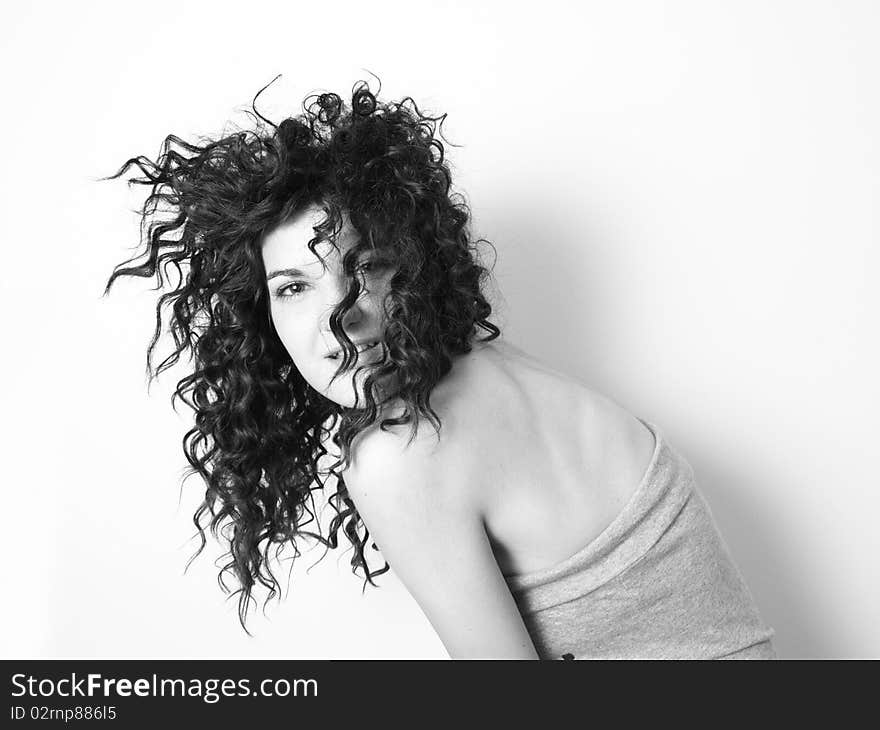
[{"x": 425, "y": 517}]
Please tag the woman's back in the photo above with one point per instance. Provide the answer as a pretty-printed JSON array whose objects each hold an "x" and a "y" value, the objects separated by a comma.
[
  {"x": 594, "y": 520},
  {"x": 554, "y": 461}
]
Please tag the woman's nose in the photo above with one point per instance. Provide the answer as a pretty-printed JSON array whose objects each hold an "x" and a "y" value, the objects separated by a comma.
[{"x": 354, "y": 315}]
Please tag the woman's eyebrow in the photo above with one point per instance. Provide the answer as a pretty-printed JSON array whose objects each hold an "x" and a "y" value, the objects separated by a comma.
[{"x": 285, "y": 272}]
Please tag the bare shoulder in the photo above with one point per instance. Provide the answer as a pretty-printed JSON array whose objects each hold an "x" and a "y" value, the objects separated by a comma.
[{"x": 390, "y": 471}]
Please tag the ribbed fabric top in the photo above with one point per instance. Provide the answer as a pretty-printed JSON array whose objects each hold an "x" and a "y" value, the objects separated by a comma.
[{"x": 658, "y": 582}]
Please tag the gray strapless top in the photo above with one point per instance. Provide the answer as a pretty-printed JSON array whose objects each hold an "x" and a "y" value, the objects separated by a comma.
[{"x": 657, "y": 583}]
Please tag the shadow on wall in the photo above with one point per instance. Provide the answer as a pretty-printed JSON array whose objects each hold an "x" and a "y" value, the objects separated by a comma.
[
  {"x": 552, "y": 285},
  {"x": 769, "y": 561}
]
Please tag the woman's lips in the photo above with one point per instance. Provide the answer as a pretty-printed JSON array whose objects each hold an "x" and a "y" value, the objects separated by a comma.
[{"x": 361, "y": 348}]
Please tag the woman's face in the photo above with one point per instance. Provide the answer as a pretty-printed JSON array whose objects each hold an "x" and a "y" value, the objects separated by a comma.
[{"x": 303, "y": 294}]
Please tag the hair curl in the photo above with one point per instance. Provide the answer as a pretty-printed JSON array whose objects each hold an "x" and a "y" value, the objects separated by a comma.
[{"x": 260, "y": 429}]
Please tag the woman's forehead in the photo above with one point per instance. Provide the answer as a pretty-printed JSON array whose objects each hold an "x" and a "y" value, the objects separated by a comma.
[{"x": 287, "y": 244}]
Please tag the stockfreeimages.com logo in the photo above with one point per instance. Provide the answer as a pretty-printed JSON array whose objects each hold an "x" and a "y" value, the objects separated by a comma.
[{"x": 209, "y": 690}]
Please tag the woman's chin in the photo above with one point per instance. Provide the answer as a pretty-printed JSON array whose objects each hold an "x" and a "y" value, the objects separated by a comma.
[{"x": 352, "y": 395}]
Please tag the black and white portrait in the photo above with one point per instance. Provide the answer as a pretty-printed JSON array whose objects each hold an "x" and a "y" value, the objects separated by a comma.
[{"x": 469, "y": 330}]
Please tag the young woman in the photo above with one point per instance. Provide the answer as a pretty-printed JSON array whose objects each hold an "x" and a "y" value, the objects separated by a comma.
[{"x": 324, "y": 281}]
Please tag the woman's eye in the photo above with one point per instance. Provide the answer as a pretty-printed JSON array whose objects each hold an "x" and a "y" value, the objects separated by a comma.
[
  {"x": 291, "y": 289},
  {"x": 372, "y": 267}
]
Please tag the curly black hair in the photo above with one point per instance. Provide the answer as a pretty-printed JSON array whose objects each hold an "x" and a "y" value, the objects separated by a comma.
[{"x": 260, "y": 429}]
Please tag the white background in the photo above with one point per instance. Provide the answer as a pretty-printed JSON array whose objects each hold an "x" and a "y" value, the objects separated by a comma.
[{"x": 683, "y": 196}]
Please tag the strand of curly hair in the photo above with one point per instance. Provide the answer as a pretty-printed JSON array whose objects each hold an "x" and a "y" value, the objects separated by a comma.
[{"x": 259, "y": 438}]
